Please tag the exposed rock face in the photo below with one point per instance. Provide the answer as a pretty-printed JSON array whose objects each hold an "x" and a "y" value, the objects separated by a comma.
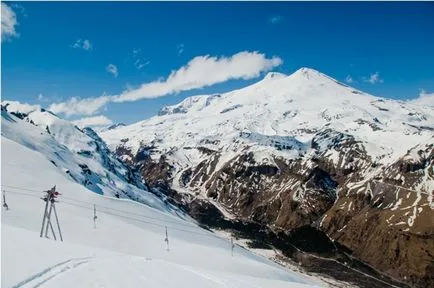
[
  {"x": 269, "y": 194},
  {"x": 156, "y": 172},
  {"x": 382, "y": 216},
  {"x": 394, "y": 235},
  {"x": 357, "y": 167}
]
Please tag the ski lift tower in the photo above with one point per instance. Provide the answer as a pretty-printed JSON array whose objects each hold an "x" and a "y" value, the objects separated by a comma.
[{"x": 49, "y": 198}]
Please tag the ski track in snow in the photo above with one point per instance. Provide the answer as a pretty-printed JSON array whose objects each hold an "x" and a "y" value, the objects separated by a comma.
[{"x": 51, "y": 272}]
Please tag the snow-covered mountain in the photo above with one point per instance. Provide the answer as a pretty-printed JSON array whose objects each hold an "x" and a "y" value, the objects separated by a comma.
[
  {"x": 295, "y": 106},
  {"x": 125, "y": 246},
  {"x": 80, "y": 154},
  {"x": 298, "y": 150}
]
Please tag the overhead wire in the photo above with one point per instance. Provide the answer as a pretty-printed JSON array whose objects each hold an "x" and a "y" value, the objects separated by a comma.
[{"x": 111, "y": 211}]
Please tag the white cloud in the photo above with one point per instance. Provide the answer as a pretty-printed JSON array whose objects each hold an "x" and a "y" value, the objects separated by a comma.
[
  {"x": 111, "y": 68},
  {"x": 93, "y": 121},
  {"x": 374, "y": 78},
  {"x": 15, "y": 106},
  {"x": 349, "y": 79},
  {"x": 8, "y": 23},
  {"x": 83, "y": 44},
  {"x": 204, "y": 71},
  {"x": 276, "y": 19},
  {"x": 425, "y": 99},
  {"x": 200, "y": 72},
  {"x": 77, "y": 106},
  {"x": 180, "y": 48},
  {"x": 41, "y": 97}
]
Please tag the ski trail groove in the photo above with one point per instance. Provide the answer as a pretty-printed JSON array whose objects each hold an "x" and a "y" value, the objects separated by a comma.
[{"x": 52, "y": 272}]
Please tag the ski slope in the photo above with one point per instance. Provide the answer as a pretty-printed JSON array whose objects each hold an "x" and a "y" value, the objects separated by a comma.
[{"x": 126, "y": 248}]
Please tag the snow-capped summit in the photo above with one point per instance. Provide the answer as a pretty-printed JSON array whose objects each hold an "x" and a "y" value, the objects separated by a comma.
[
  {"x": 274, "y": 75},
  {"x": 317, "y": 76},
  {"x": 297, "y": 105},
  {"x": 279, "y": 116},
  {"x": 308, "y": 73}
]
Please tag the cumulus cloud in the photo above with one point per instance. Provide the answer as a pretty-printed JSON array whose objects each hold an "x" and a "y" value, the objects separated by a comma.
[
  {"x": 374, "y": 78},
  {"x": 8, "y": 23},
  {"x": 93, "y": 121},
  {"x": 349, "y": 79},
  {"x": 276, "y": 19},
  {"x": 77, "y": 106},
  {"x": 111, "y": 68},
  {"x": 83, "y": 44},
  {"x": 200, "y": 72},
  {"x": 425, "y": 99}
]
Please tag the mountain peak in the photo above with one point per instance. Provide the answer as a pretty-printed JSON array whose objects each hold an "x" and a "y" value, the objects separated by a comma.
[
  {"x": 308, "y": 73},
  {"x": 274, "y": 75}
]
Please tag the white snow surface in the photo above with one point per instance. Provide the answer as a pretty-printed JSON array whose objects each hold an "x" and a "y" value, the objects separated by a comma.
[
  {"x": 283, "y": 110},
  {"x": 127, "y": 246}
]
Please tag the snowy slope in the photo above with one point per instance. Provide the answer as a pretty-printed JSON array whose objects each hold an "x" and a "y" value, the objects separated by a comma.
[
  {"x": 86, "y": 266},
  {"x": 126, "y": 247},
  {"x": 80, "y": 154}
]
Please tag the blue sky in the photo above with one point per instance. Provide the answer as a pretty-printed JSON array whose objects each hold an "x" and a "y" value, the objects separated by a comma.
[{"x": 61, "y": 50}]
